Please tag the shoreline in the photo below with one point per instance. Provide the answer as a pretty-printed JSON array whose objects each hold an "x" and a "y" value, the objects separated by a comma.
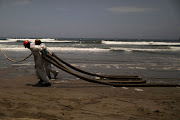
[{"x": 81, "y": 100}]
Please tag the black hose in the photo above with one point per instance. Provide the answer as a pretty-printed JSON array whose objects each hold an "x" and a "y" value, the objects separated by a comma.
[
  {"x": 53, "y": 61},
  {"x": 139, "y": 83},
  {"x": 49, "y": 56},
  {"x": 101, "y": 76}
]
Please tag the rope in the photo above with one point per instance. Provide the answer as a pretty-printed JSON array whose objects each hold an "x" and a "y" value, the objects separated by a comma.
[{"x": 14, "y": 60}]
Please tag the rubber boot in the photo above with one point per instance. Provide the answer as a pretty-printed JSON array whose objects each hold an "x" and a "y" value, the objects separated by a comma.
[
  {"x": 41, "y": 81},
  {"x": 47, "y": 84},
  {"x": 55, "y": 75}
]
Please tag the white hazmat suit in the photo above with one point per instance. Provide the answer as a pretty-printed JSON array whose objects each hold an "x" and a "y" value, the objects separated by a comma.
[
  {"x": 39, "y": 62},
  {"x": 47, "y": 65}
]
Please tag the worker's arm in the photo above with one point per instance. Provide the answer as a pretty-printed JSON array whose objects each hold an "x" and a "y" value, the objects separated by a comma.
[{"x": 43, "y": 46}]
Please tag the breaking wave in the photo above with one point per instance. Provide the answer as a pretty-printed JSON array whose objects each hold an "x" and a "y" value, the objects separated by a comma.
[
  {"x": 174, "y": 49},
  {"x": 46, "y": 40},
  {"x": 139, "y": 43}
]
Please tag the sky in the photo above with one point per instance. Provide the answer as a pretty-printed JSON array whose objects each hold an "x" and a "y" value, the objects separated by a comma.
[{"x": 139, "y": 19}]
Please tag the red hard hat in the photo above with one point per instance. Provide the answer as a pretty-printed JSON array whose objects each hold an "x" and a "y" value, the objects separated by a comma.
[
  {"x": 25, "y": 43},
  {"x": 37, "y": 41}
]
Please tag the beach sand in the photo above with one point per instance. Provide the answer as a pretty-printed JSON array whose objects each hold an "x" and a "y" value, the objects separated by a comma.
[{"x": 81, "y": 100}]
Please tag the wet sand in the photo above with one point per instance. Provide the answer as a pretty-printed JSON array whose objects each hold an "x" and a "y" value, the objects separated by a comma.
[{"x": 81, "y": 100}]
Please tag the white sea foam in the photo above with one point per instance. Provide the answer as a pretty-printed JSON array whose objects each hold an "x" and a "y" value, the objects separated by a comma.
[
  {"x": 94, "y": 49},
  {"x": 175, "y": 48},
  {"x": 56, "y": 49},
  {"x": 141, "y": 68},
  {"x": 2, "y": 41},
  {"x": 25, "y": 64},
  {"x": 145, "y": 50},
  {"x": 21, "y": 48},
  {"x": 139, "y": 43},
  {"x": 14, "y": 49},
  {"x": 157, "y": 50},
  {"x": 32, "y": 40},
  {"x": 77, "y": 49},
  {"x": 121, "y": 49}
]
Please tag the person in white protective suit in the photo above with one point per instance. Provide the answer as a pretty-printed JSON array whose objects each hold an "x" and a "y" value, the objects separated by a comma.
[
  {"x": 39, "y": 64},
  {"x": 47, "y": 66}
]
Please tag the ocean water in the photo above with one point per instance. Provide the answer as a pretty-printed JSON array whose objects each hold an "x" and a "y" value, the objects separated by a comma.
[{"x": 153, "y": 60}]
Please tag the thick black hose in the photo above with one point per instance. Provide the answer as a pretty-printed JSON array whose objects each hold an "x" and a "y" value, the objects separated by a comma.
[
  {"x": 55, "y": 63},
  {"x": 101, "y": 76},
  {"x": 124, "y": 81},
  {"x": 121, "y": 84},
  {"x": 68, "y": 71},
  {"x": 49, "y": 56},
  {"x": 148, "y": 85}
]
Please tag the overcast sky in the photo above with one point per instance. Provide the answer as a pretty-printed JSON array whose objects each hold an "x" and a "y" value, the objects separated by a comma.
[{"x": 90, "y": 18}]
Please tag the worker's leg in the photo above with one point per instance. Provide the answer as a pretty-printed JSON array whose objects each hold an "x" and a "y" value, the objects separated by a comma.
[
  {"x": 49, "y": 70},
  {"x": 47, "y": 66},
  {"x": 55, "y": 72},
  {"x": 42, "y": 75}
]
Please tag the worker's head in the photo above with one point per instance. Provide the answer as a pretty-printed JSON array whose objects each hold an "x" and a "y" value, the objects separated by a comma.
[
  {"x": 26, "y": 44},
  {"x": 37, "y": 42}
]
